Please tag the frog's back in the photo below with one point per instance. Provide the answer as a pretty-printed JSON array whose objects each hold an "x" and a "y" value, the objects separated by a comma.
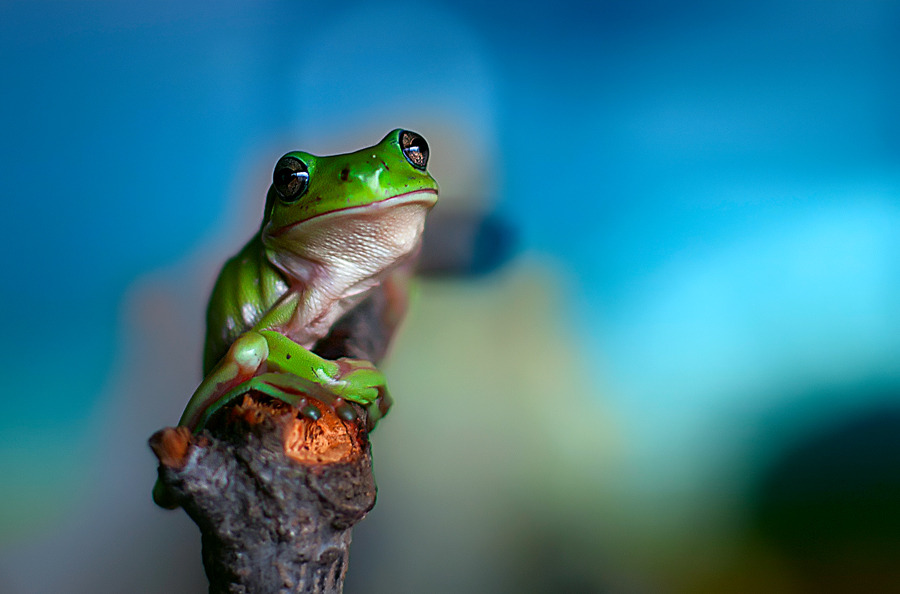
[{"x": 247, "y": 287}]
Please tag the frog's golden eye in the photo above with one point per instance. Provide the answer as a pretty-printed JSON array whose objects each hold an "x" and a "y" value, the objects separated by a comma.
[
  {"x": 290, "y": 179},
  {"x": 415, "y": 149}
]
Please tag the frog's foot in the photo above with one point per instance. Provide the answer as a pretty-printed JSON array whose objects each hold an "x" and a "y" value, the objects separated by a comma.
[
  {"x": 357, "y": 380},
  {"x": 307, "y": 396},
  {"x": 360, "y": 381}
]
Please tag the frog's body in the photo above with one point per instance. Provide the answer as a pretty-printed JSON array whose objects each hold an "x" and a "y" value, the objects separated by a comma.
[
  {"x": 335, "y": 230},
  {"x": 247, "y": 286}
]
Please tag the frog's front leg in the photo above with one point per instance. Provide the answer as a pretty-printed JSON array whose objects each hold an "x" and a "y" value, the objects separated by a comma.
[
  {"x": 266, "y": 350},
  {"x": 351, "y": 379}
]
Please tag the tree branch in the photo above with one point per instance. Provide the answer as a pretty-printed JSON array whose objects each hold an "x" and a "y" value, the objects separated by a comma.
[{"x": 274, "y": 493}]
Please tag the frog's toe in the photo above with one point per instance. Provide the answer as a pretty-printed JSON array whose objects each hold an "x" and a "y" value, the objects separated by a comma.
[
  {"x": 343, "y": 410},
  {"x": 365, "y": 386},
  {"x": 359, "y": 381},
  {"x": 376, "y": 405}
]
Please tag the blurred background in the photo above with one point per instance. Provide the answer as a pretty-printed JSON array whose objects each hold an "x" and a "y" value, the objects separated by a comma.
[{"x": 681, "y": 375}]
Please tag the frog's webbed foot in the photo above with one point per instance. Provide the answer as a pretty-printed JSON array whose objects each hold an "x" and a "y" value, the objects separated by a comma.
[
  {"x": 357, "y": 380},
  {"x": 362, "y": 384},
  {"x": 360, "y": 381},
  {"x": 305, "y": 395},
  {"x": 269, "y": 362}
]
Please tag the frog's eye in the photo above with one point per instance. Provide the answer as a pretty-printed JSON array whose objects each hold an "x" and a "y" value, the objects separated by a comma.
[
  {"x": 415, "y": 149},
  {"x": 291, "y": 178}
]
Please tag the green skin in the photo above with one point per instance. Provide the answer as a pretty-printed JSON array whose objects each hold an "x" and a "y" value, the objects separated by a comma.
[{"x": 357, "y": 225}]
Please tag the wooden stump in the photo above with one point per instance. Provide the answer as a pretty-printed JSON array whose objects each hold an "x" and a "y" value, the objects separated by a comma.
[{"x": 274, "y": 493}]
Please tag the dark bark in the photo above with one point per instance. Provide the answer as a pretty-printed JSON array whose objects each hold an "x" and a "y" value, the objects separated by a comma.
[
  {"x": 275, "y": 494},
  {"x": 365, "y": 331}
]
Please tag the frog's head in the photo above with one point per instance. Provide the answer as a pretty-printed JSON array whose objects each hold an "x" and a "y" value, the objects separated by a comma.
[{"x": 364, "y": 210}]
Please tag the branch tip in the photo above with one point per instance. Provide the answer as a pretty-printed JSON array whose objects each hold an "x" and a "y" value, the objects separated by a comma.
[{"x": 171, "y": 446}]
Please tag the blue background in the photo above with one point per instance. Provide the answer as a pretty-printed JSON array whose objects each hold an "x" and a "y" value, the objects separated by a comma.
[{"x": 710, "y": 192}]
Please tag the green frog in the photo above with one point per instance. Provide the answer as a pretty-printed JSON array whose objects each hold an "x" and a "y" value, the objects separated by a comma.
[{"x": 335, "y": 230}]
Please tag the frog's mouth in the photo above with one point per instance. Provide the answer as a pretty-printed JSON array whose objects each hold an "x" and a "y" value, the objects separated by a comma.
[
  {"x": 352, "y": 245},
  {"x": 426, "y": 197}
]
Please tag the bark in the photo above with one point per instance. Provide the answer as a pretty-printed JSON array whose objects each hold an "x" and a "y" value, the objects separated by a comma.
[{"x": 275, "y": 494}]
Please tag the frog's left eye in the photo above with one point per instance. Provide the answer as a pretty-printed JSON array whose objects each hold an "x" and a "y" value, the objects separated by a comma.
[
  {"x": 415, "y": 149},
  {"x": 291, "y": 178}
]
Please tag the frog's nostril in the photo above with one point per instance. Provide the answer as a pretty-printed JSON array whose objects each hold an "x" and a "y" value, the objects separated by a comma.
[{"x": 345, "y": 173}]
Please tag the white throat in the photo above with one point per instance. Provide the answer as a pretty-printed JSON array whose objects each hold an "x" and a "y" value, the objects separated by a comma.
[{"x": 336, "y": 258}]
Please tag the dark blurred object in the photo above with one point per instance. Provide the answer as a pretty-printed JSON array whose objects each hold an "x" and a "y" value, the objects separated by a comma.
[
  {"x": 830, "y": 506},
  {"x": 365, "y": 331},
  {"x": 465, "y": 243}
]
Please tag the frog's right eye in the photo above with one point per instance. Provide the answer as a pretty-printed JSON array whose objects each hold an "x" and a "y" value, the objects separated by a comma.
[
  {"x": 415, "y": 149},
  {"x": 290, "y": 179}
]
